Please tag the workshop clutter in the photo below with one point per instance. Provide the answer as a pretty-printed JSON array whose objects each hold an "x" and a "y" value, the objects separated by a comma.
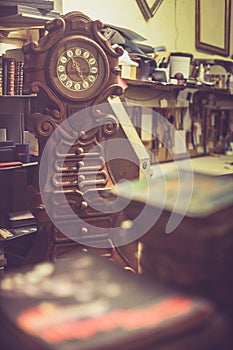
[{"x": 147, "y": 63}]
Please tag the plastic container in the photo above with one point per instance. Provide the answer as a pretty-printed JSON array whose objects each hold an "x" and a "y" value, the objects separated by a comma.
[{"x": 180, "y": 63}]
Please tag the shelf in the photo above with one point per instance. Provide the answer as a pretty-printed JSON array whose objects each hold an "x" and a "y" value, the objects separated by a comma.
[
  {"x": 154, "y": 85},
  {"x": 21, "y": 17},
  {"x": 18, "y": 96},
  {"x": 23, "y": 166},
  {"x": 175, "y": 88}
]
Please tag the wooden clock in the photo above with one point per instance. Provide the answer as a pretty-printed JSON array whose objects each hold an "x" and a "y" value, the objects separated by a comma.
[
  {"x": 73, "y": 64},
  {"x": 80, "y": 70},
  {"x": 71, "y": 68}
]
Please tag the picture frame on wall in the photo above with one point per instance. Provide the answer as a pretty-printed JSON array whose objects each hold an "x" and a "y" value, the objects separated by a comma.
[
  {"x": 218, "y": 23},
  {"x": 148, "y": 7}
]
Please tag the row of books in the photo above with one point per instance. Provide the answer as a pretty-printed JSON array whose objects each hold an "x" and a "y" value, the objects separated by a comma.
[{"x": 11, "y": 76}]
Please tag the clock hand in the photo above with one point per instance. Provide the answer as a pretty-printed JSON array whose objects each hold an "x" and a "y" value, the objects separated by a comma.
[
  {"x": 78, "y": 69},
  {"x": 76, "y": 65}
]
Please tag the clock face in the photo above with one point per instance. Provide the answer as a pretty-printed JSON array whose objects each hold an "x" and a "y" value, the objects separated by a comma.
[{"x": 78, "y": 68}]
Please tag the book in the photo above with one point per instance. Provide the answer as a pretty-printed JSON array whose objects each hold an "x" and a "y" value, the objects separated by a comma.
[
  {"x": 1, "y": 77},
  {"x": 87, "y": 302},
  {"x": 8, "y": 76},
  {"x": 36, "y": 14},
  {"x": 6, "y": 143},
  {"x": 13, "y": 233},
  {"x": 7, "y": 154},
  {"x": 39, "y": 4},
  {"x": 19, "y": 78},
  {"x": 4, "y": 75},
  {"x": 11, "y": 67},
  {"x": 11, "y": 75},
  {"x": 21, "y": 218},
  {"x": 10, "y": 164}
]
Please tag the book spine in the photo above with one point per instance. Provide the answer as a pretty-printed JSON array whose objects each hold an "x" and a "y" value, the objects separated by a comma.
[
  {"x": 11, "y": 64},
  {"x": 19, "y": 78},
  {"x": 4, "y": 75},
  {"x": 11, "y": 77},
  {"x": 0, "y": 78}
]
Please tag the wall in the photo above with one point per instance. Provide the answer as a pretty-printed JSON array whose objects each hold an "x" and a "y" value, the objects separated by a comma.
[{"x": 172, "y": 26}]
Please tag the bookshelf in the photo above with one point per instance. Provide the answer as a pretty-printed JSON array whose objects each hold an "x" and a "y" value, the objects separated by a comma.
[{"x": 19, "y": 24}]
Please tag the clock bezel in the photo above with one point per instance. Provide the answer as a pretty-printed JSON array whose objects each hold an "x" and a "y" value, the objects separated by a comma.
[{"x": 93, "y": 47}]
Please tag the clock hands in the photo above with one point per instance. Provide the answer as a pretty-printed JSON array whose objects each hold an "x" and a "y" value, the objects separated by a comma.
[{"x": 77, "y": 68}]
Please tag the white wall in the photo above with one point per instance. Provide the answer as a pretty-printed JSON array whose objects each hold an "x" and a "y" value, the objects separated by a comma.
[{"x": 172, "y": 26}]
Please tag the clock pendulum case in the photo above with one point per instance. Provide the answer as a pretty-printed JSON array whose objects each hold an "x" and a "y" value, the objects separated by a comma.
[{"x": 73, "y": 68}]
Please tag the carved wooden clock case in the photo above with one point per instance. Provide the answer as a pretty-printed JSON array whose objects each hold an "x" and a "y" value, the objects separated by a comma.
[{"x": 73, "y": 68}]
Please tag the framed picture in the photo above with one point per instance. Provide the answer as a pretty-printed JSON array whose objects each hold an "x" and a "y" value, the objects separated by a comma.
[
  {"x": 213, "y": 26},
  {"x": 148, "y": 7}
]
